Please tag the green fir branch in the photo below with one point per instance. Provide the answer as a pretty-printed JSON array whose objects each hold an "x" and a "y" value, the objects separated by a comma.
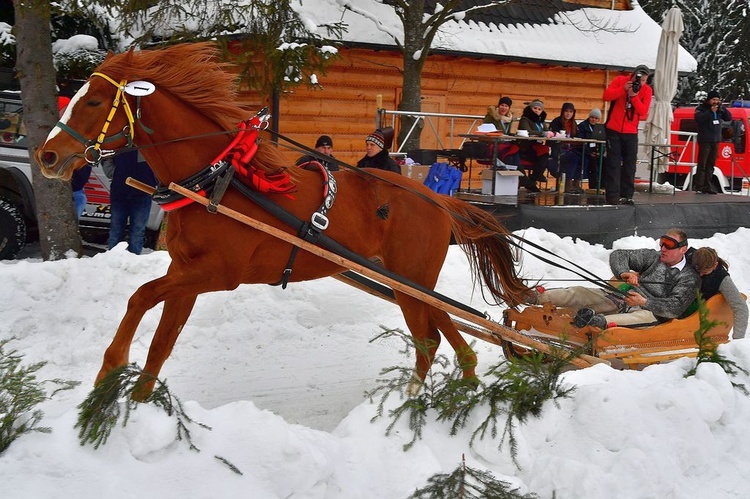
[
  {"x": 111, "y": 400},
  {"x": 467, "y": 483},
  {"x": 20, "y": 393}
]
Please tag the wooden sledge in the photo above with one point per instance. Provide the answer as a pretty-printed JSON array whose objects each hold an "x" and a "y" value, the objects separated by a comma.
[{"x": 634, "y": 348}]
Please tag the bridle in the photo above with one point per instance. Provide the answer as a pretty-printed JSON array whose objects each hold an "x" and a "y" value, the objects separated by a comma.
[{"x": 94, "y": 152}]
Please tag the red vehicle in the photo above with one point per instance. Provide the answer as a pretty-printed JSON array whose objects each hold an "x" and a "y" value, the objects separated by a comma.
[{"x": 732, "y": 170}]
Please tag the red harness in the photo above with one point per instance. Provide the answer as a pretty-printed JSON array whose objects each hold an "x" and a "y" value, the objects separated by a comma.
[{"x": 237, "y": 154}]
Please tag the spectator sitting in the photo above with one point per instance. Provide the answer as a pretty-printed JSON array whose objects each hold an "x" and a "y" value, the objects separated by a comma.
[
  {"x": 533, "y": 121},
  {"x": 501, "y": 116},
  {"x": 715, "y": 278},
  {"x": 590, "y": 151},
  {"x": 376, "y": 155},
  {"x": 561, "y": 158},
  {"x": 324, "y": 146}
]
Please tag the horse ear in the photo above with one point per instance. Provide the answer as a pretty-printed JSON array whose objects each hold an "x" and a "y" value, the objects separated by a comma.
[{"x": 109, "y": 54}]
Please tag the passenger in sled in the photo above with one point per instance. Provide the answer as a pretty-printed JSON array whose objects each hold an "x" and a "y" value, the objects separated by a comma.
[{"x": 661, "y": 286}]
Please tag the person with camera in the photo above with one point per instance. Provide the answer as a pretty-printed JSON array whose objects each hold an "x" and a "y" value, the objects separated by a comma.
[
  {"x": 630, "y": 99},
  {"x": 708, "y": 117}
]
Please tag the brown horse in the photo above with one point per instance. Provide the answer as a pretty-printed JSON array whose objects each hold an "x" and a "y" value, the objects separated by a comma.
[{"x": 180, "y": 111}]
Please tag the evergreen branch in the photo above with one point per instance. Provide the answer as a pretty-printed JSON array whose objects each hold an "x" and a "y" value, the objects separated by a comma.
[{"x": 111, "y": 399}]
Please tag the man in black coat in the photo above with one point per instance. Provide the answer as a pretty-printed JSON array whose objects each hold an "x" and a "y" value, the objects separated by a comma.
[
  {"x": 376, "y": 154},
  {"x": 324, "y": 146},
  {"x": 708, "y": 117}
]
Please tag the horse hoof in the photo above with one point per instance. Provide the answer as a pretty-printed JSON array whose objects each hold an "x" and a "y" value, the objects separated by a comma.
[{"x": 414, "y": 386}]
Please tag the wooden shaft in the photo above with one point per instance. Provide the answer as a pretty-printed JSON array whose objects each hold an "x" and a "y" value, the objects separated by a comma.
[{"x": 507, "y": 332}]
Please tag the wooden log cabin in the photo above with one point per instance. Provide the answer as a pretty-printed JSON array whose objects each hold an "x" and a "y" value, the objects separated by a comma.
[{"x": 525, "y": 49}]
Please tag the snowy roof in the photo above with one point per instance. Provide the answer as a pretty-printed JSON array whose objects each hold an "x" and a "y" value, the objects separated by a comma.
[{"x": 540, "y": 31}]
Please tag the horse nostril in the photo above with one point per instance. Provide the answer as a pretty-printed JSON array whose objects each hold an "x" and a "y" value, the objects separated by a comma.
[{"x": 49, "y": 158}]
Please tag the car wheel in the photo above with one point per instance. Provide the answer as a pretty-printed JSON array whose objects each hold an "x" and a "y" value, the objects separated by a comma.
[{"x": 12, "y": 230}]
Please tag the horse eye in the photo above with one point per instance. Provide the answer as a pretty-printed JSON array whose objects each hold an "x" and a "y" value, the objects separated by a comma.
[{"x": 94, "y": 103}]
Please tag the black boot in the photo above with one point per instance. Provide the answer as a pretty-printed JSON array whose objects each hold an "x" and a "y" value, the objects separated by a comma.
[
  {"x": 699, "y": 180},
  {"x": 708, "y": 175}
]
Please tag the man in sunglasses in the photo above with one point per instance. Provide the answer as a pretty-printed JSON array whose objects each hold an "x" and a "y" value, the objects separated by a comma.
[{"x": 660, "y": 286}]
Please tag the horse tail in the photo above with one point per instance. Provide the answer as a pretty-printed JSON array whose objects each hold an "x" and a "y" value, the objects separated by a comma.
[{"x": 491, "y": 253}]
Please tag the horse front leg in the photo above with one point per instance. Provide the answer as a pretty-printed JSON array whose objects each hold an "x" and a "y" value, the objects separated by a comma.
[
  {"x": 118, "y": 352},
  {"x": 173, "y": 319}
]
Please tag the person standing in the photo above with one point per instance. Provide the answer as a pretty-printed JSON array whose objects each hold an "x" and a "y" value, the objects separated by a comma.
[
  {"x": 128, "y": 203},
  {"x": 708, "y": 117},
  {"x": 324, "y": 146},
  {"x": 376, "y": 154},
  {"x": 630, "y": 99},
  {"x": 77, "y": 182}
]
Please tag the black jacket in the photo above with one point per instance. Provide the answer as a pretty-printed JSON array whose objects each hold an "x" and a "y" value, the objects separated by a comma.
[
  {"x": 381, "y": 161},
  {"x": 708, "y": 130},
  {"x": 331, "y": 165}
]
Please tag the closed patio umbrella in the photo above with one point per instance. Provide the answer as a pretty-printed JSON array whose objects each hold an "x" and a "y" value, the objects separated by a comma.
[{"x": 665, "y": 84}]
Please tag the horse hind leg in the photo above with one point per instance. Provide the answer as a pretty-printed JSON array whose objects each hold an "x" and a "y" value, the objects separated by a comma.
[
  {"x": 425, "y": 336},
  {"x": 467, "y": 358}
]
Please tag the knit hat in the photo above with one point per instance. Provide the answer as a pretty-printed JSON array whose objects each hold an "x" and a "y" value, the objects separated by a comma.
[
  {"x": 536, "y": 103},
  {"x": 324, "y": 140},
  {"x": 505, "y": 100},
  {"x": 566, "y": 106},
  {"x": 376, "y": 138},
  {"x": 595, "y": 113},
  {"x": 712, "y": 94}
]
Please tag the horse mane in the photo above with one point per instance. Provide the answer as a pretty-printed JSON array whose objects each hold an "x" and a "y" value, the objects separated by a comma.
[{"x": 192, "y": 72}]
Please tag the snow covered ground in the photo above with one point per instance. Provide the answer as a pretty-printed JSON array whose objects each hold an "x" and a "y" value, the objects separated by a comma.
[{"x": 279, "y": 375}]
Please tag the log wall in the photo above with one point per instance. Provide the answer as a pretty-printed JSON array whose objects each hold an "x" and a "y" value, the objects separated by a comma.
[{"x": 346, "y": 106}]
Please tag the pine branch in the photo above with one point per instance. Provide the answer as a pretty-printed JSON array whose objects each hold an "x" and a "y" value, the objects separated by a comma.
[{"x": 111, "y": 400}]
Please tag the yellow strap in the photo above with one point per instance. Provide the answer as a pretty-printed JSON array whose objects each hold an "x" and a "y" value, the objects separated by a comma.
[{"x": 115, "y": 104}]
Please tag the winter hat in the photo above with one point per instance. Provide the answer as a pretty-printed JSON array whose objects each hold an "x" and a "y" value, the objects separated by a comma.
[
  {"x": 535, "y": 103},
  {"x": 642, "y": 69},
  {"x": 712, "y": 94},
  {"x": 595, "y": 113},
  {"x": 324, "y": 140},
  {"x": 376, "y": 138},
  {"x": 505, "y": 100},
  {"x": 566, "y": 106}
]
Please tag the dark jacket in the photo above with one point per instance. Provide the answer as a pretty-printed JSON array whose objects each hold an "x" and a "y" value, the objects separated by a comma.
[
  {"x": 532, "y": 122},
  {"x": 668, "y": 291},
  {"x": 709, "y": 123},
  {"x": 331, "y": 165},
  {"x": 128, "y": 164},
  {"x": 381, "y": 161},
  {"x": 80, "y": 177}
]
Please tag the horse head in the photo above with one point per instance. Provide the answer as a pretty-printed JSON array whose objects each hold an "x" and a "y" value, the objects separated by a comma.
[{"x": 160, "y": 101}]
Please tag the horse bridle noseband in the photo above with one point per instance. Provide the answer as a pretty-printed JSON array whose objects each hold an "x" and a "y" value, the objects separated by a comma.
[{"x": 93, "y": 152}]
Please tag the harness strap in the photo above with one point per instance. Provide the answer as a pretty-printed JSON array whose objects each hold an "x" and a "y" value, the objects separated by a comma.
[
  {"x": 220, "y": 187},
  {"x": 311, "y": 231}
]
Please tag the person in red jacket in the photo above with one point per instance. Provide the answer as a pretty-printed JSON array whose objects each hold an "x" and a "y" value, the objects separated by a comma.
[{"x": 630, "y": 99}]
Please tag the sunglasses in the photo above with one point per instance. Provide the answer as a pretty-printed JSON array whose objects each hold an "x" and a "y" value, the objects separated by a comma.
[{"x": 671, "y": 243}]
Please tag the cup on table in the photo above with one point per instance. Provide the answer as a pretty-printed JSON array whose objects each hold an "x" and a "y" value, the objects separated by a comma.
[{"x": 561, "y": 135}]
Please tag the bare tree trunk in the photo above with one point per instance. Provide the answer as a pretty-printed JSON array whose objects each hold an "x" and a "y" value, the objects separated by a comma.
[
  {"x": 411, "y": 95},
  {"x": 58, "y": 224}
]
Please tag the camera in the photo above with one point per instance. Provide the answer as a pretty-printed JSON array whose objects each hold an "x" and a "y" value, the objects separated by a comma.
[{"x": 637, "y": 83}]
